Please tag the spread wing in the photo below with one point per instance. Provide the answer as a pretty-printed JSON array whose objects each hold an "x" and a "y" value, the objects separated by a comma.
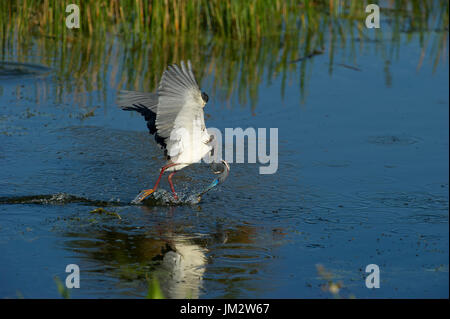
[
  {"x": 176, "y": 107},
  {"x": 146, "y": 104},
  {"x": 180, "y": 106}
]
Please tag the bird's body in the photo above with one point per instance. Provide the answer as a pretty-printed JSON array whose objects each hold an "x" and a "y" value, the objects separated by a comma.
[{"x": 174, "y": 115}]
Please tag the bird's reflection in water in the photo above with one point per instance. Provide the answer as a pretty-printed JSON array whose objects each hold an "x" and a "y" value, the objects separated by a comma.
[
  {"x": 182, "y": 269},
  {"x": 162, "y": 250},
  {"x": 183, "y": 261}
]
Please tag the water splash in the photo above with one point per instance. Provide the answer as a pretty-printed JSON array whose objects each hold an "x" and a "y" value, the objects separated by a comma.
[
  {"x": 54, "y": 199},
  {"x": 160, "y": 197}
]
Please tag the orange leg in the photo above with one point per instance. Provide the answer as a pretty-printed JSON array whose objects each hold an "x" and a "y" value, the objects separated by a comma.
[
  {"x": 161, "y": 174},
  {"x": 171, "y": 185},
  {"x": 147, "y": 192}
]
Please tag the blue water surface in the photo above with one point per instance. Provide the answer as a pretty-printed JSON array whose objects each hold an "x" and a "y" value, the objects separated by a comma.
[{"x": 362, "y": 179}]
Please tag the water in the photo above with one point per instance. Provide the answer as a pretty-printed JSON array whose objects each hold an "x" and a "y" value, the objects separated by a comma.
[{"x": 362, "y": 179}]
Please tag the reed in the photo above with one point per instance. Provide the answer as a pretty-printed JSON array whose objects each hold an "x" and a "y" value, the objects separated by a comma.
[
  {"x": 145, "y": 19},
  {"x": 128, "y": 43},
  {"x": 242, "y": 20}
]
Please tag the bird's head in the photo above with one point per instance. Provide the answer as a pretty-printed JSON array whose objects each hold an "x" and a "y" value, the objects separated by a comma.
[
  {"x": 205, "y": 98},
  {"x": 221, "y": 169},
  {"x": 223, "y": 173}
]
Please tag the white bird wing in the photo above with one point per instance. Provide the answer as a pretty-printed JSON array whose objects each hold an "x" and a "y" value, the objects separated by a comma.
[
  {"x": 146, "y": 104},
  {"x": 179, "y": 114}
]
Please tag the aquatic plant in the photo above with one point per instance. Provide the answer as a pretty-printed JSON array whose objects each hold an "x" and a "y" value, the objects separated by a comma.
[
  {"x": 127, "y": 44},
  {"x": 62, "y": 289},
  {"x": 154, "y": 289},
  {"x": 331, "y": 285}
]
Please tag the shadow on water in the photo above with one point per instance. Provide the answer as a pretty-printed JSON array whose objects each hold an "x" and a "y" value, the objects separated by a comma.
[{"x": 20, "y": 70}]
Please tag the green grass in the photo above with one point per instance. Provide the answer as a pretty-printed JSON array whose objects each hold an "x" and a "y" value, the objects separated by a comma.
[
  {"x": 146, "y": 19},
  {"x": 154, "y": 289},
  {"x": 242, "y": 42},
  {"x": 62, "y": 289}
]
